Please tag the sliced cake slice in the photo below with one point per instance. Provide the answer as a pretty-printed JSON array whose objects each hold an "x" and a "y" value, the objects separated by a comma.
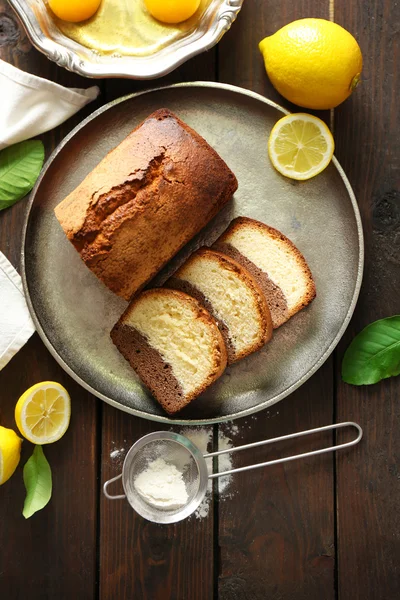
[
  {"x": 273, "y": 260},
  {"x": 173, "y": 344},
  {"x": 231, "y": 295}
]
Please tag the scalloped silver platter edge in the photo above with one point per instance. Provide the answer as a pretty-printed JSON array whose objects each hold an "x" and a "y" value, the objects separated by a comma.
[
  {"x": 210, "y": 108},
  {"x": 81, "y": 60}
]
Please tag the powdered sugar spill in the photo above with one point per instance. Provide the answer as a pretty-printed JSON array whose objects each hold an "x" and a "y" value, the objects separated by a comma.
[
  {"x": 202, "y": 438},
  {"x": 224, "y": 464},
  {"x": 230, "y": 428},
  {"x": 115, "y": 454}
]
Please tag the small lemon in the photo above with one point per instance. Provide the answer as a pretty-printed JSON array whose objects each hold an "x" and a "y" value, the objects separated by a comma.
[
  {"x": 300, "y": 146},
  {"x": 10, "y": 453},
  {"x": 172, "y": 11},
  {"x": 43, "y": 412},
  {"x": 313, "y": 62}
]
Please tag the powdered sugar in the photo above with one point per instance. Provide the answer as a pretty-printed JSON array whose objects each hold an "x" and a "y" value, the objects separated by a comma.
[
  {"x": 224, "y": 463},
  {"x": 161, "y": 484},
  {"x": 203, "y": 438},
  {"x": 117, "y": 453}
]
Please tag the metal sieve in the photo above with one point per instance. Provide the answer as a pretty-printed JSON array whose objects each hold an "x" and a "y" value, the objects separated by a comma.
[{"x": 178, "y": 450}]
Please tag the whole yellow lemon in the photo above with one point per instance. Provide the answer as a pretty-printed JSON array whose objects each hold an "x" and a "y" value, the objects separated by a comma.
[
  {"x": 172, "y": 11},
  {"x": 74, "y": 11},
  {"x": 313, "y": 62},
  {"x": 10, "y": 453}
]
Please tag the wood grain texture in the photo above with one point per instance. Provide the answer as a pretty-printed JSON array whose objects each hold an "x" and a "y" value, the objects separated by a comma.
[
  {"x": 368, "y": 147},
  {"x": 199, "y": 68},
  {"x": 53, "y": 554},
  {"x": 140, "y": 559},
  {"x": 276, "y": 534}
]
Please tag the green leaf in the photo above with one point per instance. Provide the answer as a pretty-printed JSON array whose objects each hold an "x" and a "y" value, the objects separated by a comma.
[
  {"x": 374, "y": 354},
  {"x": 38, "y": 483},
  {"x": 20, "y": 166}
]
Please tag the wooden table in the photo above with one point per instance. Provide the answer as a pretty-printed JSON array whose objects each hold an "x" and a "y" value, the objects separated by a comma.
[{"x": 320, "y": 529}]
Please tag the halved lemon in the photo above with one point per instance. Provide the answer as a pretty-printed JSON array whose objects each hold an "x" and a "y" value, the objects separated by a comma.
[
  {"x": 300, "y": 146},
  {"x": 43, "y": 412}
]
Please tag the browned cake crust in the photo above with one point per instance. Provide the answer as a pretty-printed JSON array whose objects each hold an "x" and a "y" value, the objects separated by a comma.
[
  {"x": 277, "y": 315},
  {"x": 144, "y": 201},
  {"x": 265, "y": 322},
  {"x": 156, "y": 374}
]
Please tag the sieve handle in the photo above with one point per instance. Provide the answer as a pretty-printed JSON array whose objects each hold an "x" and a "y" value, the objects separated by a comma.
[
  {"x": 288, "y": 458},
  {"x": 109, "y": 482}
]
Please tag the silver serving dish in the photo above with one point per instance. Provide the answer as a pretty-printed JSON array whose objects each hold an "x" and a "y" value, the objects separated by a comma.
[
  {"x": 60, "y": 42},
  {"x": 320, "y": 216}
]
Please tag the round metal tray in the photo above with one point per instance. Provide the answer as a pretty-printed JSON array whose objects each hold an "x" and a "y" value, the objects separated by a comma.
[
  {"x": 44, "y": 33},
  {"x": 74, "y": 312}
]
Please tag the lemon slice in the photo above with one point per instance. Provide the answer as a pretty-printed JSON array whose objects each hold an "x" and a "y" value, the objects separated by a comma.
[
  {"x": 300, "y": 146},
  {"x": 43, "y": 412},
  {"x": 10, "y": 453}
]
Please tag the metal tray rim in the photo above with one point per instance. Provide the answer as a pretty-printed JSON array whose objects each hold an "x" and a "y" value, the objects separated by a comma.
[{"x": 160, "y": 418}]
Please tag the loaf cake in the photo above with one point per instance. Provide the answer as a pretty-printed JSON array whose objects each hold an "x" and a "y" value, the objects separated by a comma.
[
  {"x": 231, "y": 295},
  {"x": 144, "y": 201},
  {"x": 274, "y": 261},
  {"x": 173, "y": 344}
]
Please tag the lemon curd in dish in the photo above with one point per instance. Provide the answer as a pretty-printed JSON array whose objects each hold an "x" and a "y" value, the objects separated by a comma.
[{"x": 126, "y": 28}]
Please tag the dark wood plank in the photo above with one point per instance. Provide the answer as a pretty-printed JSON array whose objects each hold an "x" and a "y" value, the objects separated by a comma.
[
  {"x": 368, "y": 147},
  {"x": 277, "y": 531},
  {"x": 53, "y": 554},
  {"x": 199, "y": 68},
  {"x": 140, "y": 559}
]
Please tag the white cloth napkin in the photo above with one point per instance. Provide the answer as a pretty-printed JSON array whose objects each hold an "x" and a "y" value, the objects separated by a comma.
[
  {"x": 30, "y": 105},
  {"x": 16, "y": 326}
]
